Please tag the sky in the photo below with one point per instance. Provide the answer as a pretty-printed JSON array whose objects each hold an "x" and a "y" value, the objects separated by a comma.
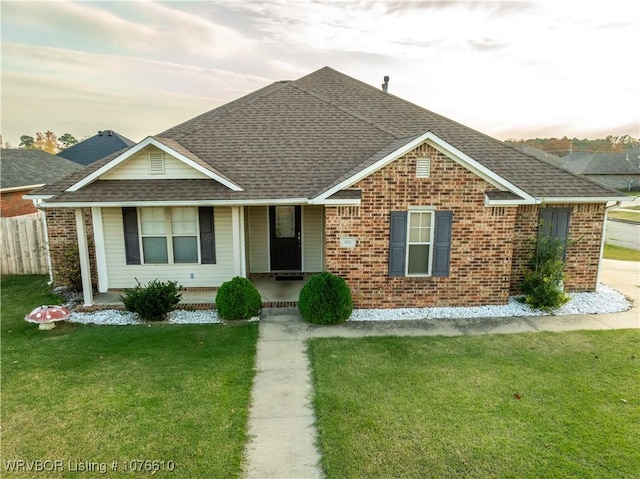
[{"x": 511, "y": 69}]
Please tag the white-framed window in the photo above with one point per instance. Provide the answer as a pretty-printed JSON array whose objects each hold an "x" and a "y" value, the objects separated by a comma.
[
  {"x": 419, "y": 242},
  {"x": 169, "y": 235}
]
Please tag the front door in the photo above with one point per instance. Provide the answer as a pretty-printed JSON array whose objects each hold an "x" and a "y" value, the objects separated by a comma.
[{"x": 286, "y": 246}]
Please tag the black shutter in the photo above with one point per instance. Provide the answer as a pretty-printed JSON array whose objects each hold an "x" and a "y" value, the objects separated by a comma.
[
  {"x": 442, "y": 243},
  {"x": 207, "y": 235},
  {"x": 397, "y": 243},
  {"x": 131, "y": 242}
]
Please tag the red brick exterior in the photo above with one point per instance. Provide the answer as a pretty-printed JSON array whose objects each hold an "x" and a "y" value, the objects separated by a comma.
[
  {"x": 484, "y": 268},
  {"x": 61, "y": 227},
  {"x": 12, "y": 204},
  {"x": 585, "y": 237}
]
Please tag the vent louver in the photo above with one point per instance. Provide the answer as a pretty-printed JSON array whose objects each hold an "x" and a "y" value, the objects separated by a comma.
[
  {"x": 156, "y": 163},
  {"x": 423, "y": 167}
]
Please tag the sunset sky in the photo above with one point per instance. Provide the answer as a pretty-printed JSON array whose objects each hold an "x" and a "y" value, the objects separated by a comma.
[{"x": 507, "y": 68}]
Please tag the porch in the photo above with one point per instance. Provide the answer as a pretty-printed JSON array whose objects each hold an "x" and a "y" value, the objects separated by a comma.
[{"x": 275, "y": 293}]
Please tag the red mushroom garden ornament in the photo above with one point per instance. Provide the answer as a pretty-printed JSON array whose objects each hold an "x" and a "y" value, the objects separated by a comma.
[{"x": 46, "y": 316}]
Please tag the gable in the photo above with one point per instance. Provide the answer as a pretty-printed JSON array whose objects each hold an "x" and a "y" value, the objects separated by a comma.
[{"x": 153, "y": 163}]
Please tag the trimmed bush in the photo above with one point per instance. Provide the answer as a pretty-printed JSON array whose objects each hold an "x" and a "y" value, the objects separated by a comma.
[
  {"x": 542, "y": 285},
  {"x": 238, "y": 299},
  {"x": 153, "y": 301},
  {"x": 325, "y": 299}
]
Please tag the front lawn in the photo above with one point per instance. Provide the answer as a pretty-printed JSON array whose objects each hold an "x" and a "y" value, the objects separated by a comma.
[
  {"x": 540, "y": 405},
  {"x": 115, "y": 394},
  {"x": 620, "y": 253}
]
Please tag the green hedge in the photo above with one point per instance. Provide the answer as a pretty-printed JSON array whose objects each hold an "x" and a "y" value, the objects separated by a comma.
[
  {"x": 238, "y": 299},
  {"x": 325, "y": 299}
]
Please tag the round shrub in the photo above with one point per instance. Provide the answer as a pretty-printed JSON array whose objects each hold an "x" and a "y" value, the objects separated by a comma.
[
  {"x": 154, "y": 301},
  {"x": 325, "y": 299},
  {"x": 238, "y": 299}
]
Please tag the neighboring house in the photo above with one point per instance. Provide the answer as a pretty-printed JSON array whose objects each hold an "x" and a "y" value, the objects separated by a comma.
[
  {"x": 105, "y": 143},
  {"x": 24, "y": 170},
  {"x": 536, "y": 153},
  {"x": 326, "y": 173},
  {"x": 615, "y": 170}
]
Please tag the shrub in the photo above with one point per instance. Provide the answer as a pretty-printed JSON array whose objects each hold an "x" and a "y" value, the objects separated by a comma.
[
  {"x": 67, "y": 267},
  {"x": 153, "y": 301},
  {"x": 238, "y": 299},
  {"x": 325, "y": 299},
  {"x": 542, "y": 284}
]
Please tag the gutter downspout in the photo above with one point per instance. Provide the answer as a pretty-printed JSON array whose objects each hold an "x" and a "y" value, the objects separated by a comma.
[{"x": 604, "y": 234}]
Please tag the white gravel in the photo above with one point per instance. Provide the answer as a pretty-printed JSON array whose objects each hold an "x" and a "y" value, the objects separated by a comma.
[{"x": 605, "y": 300}]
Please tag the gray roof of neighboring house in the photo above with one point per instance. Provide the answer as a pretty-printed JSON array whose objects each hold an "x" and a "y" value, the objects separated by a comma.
[
  {"x": 32, "y": 167},
  {"x": 297, "y": 139},
  {"x": 96, "y": 147},
  {"x": 609, "y": 163},
  {"x": 537, "y": 153}
]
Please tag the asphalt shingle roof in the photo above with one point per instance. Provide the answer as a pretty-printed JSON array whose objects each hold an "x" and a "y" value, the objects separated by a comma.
[
  {"x": 96, "y": 147},
  {"x": 602, "y": 163},
  {"x": 32, "y": 167},
  {"x": 297, "y": 139}
]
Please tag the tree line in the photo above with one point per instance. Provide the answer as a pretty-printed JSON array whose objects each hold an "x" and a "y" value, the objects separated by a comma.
[
  {"x": 47, "y": 141},
  {"x": 563, "y": 146}
]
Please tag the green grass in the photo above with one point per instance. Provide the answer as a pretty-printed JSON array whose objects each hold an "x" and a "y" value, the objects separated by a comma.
[
  {"x": 436, "y": 407},
  {"x": 96, "y": 393},
  {"x": 619, "y": 253},
  {"x": 625, "y": 215}
]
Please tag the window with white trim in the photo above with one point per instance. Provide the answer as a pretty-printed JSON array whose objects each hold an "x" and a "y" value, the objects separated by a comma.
[
  {"x": 169, "y": 235},
  {"x": 419, "y": 241}
]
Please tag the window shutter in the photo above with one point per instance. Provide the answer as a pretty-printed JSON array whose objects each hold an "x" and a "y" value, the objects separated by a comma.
[
  {"x": 397, "y": 243},
  {"x": 131, "y": 242},
  {"x": 442, "y": 243},
  {"x": 207, "y": 235}
]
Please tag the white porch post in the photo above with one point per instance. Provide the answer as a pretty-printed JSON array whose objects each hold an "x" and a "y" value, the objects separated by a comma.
[
  {"x": 237, "y": 227},
  {"x": 101, "y": 257},
  {"x": 83, "y": 249}
]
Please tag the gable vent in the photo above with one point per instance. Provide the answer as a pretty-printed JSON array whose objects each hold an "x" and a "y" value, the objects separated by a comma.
[
  {"x": 423, "y": 167},
  {"x": 156, "y": 163}
]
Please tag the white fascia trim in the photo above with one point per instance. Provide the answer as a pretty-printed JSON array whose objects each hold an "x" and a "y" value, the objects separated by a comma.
[
  {"x": 37, "y": 197},
  {"x": 18, "y": 188},
  {"x": 336, "y": 202},
  {"x": 442, "y": 146},
  {"x": 286, "y": 201},
  {"x": 579, "y": 199},
  {"x": 488, "y": 202},
  {"x": 136, "y": 149}
]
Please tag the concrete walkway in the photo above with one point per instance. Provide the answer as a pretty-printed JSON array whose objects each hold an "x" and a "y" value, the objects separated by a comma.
[{"x": 282, "y": 420}]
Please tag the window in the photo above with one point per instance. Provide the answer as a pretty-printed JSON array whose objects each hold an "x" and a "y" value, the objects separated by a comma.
[
  {"x": 169, "y": 235},
  {"x": 419, "y": 244},
  {"x": 179, "y": 225}
]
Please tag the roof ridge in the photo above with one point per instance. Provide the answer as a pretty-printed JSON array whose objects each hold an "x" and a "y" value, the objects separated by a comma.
[{"x": 345, "y": 110}]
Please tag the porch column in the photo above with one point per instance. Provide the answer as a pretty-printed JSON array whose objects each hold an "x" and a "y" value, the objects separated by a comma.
[
  {"x": 83, "y": 250},
  {"x": 237, "y": 227},
  {"x": 98, "y": 243}
]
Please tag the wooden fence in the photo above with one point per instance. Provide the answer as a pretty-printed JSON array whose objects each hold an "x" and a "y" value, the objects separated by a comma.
[{"x": 23, "y": 247}]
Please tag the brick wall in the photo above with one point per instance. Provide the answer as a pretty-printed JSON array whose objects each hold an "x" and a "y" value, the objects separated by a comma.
[
  {"x": 585, "y": 235},
  {"x": 12, "y": 204},
  {"x": 481, "y": 250},
  {"x": 61, "y": 226}
]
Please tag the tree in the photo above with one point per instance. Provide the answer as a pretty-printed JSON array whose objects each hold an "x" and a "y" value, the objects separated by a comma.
[
  {"x": 47, "y": 141},
  {"x": 4, "y": 144},
  {"x": 67, "y": 140},
  {"x": 27, "y": 142}
]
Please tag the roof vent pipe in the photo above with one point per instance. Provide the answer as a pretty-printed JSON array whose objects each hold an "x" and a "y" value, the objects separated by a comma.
[
  {"x": 99, "y": 132},
  {"x": 385, "y": 85}
]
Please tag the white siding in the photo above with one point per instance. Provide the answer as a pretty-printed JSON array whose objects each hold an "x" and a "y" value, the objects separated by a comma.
[
  {"x": 122, "y": 275},
  {"x": 259, "y": 239},
  {"x": 137, "y": 167},
  {"x": 312, "y": 236}
]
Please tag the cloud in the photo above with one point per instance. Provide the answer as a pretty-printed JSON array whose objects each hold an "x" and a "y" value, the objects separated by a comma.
[{"x": 147, "y": 27}]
